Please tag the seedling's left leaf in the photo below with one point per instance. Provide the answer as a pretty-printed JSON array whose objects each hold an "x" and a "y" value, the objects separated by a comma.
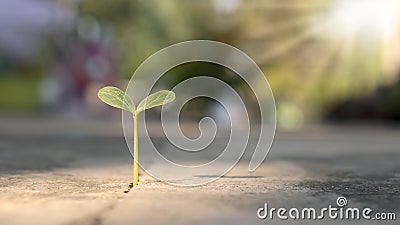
[
  {"x": 117, "y": 98},
  {"x": 156, "y": 99}
]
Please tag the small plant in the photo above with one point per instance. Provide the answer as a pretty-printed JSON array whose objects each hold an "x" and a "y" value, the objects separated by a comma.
[{"x": 115, "y": 97}]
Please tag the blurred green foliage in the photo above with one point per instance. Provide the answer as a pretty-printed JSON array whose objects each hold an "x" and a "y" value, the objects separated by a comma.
[
  {"x": 309, "y": 65},
  {"x": 18, "y": 93},
  {"x": 141, "y": 28},
  {"x": 305, "y": 68}
]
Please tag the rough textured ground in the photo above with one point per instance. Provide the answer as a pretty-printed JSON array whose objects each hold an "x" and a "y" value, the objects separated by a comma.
[{"x": 65, "y": 173}]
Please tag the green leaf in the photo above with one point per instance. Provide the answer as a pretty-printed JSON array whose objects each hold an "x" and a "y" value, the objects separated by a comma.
[
  {"x": 156, "y": 99},
  {"x": 117, "y": 98}
]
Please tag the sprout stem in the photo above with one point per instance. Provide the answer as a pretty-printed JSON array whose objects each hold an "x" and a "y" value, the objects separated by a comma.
[{"x": 135, "y": 151}]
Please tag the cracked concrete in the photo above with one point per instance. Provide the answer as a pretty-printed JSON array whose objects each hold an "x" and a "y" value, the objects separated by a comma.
[{"x": 69, "y": 179}]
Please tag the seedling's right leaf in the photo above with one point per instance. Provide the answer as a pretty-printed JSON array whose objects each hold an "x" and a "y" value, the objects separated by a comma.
[
  {"x": 117, "y": 98},
  {"x": 156, "y": 99}
]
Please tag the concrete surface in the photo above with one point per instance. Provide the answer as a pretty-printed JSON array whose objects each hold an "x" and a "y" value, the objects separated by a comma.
[{"x": 72, "y": 175}]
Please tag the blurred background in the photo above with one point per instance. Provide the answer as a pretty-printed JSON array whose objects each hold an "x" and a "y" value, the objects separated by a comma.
[{"x": 326, "y": 60}]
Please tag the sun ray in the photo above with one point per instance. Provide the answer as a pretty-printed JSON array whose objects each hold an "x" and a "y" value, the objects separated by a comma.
[
  {"x": 279, "y": 28},
  {"x": 289, "y": 5},
  {"x": 285, "y": 47}
]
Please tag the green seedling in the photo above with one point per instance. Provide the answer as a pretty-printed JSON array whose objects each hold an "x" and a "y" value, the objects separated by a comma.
[{"x": 115, "y": 97}]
